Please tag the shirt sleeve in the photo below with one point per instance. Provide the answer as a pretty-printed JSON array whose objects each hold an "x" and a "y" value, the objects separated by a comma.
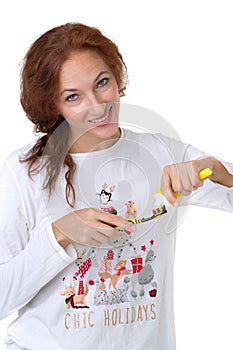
[
  {"x": 213, "y": 195},
  {"x": 27, "y": 261}
]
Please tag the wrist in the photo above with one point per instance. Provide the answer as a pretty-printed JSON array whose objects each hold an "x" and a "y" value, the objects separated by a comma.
[
  {"x": 220, "y": 174},
  {"x": 61, "y": 239}
]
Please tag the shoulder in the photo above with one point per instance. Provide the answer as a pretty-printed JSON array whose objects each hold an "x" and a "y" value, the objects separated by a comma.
[
  {"x": 13, "y": 164},
  {"x": 163, "y": 148},
  {"x": 19, "y": 153},
  {"x": 152, "y": 140}
]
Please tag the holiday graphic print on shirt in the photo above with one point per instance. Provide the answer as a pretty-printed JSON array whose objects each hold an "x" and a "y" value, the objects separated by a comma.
[
  {"x": 105, "y": 199},
  {"x": 73, "y": 298},
  {"x": 135, "y": 275},
  {"x": 119, "y": 275}
]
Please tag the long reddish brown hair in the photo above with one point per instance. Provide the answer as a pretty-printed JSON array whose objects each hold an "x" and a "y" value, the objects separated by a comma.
[{"x": 39, "y": 90}]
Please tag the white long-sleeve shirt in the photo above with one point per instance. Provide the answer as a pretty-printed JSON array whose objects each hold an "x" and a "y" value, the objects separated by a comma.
[{"x": 116, "y": 296}]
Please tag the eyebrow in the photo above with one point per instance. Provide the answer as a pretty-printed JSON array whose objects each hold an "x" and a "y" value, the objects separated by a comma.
[
  {"x": 96, "y": 79},
  {"x": 99, "y": 75}
]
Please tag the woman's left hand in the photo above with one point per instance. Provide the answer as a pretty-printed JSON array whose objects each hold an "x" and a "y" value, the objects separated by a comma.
[{"x": 183, "y": 178}]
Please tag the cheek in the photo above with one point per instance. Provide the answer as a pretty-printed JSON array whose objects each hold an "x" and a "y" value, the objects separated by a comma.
[
  {"x": 69, "y": 110},
  {"x": 113, "y": 94},
  {"x": 72, "y": 112},
  {"x": 77, "y": 119}
]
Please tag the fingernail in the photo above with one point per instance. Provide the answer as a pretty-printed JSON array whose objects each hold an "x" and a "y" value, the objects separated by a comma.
[
  {"x": 176, "y": 204},
  {"x": 133, "y": 228}
]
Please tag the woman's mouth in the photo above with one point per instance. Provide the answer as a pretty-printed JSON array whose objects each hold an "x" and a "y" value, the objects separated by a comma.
[{"x": 106, "y": 119}]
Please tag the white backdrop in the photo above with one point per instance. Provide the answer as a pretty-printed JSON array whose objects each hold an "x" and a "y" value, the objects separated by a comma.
[{"x": 179, "y": 55}]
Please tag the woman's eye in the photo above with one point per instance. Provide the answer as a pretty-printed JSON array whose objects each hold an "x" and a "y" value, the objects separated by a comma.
[
  {"x": 103, "y": 82},
  {"x": 72, "y": 98}
]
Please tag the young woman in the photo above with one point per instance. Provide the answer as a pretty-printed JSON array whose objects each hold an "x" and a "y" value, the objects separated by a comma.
[{"x": 87, "y": 246}]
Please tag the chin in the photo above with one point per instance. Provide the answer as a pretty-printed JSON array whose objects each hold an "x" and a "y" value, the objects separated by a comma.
[{"x": 106, "y": 132}]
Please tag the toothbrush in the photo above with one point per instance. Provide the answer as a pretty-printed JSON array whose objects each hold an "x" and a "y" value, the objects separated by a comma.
[{"x": 159, "y": 211}]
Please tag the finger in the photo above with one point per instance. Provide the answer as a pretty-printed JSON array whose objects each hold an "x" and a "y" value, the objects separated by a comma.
[
  {"x": 88, "y": 240},
  {"x": 93, "y": 215},
  {"x": 195, "y": 180},
  {"x": 105, "y": 228},
  {"x": 189, "y": 181},
  {"x": 100, "y": 237},
  {"x": 113, "y": 220},
  {"x": 92, "y": 238},
  {"x": 186, "y": 185},
  {"x": 168, "y": 191},
  {"x": 109, "y": 231}
]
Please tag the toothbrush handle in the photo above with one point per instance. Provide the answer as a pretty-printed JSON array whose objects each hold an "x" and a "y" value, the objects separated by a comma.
[{"x": 204, "y": 173}]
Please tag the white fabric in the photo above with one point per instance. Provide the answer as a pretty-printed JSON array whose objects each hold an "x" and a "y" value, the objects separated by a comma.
[{"x": 118, "y": 307}]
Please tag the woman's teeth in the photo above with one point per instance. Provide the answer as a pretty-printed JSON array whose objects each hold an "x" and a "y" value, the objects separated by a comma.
[{"x": 100, "y": 120}]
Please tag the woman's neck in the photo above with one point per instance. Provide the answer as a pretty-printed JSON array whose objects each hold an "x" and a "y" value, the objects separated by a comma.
[{"x": 86, "y": 144}]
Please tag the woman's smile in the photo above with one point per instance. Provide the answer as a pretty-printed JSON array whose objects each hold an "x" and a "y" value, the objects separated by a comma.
[{"x": 106, "y": 119}]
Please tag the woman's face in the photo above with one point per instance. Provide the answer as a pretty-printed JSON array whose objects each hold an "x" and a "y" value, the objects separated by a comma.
[{"x": 89, "y": 99}]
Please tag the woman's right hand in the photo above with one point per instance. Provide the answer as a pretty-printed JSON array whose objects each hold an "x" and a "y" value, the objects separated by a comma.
[{"x": 90, "y": 227}]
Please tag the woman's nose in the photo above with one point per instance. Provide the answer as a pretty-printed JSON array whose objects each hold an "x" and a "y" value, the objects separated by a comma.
[
  {"x": 94, "y": 104},
  {"x": 92, "y": 100}
]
